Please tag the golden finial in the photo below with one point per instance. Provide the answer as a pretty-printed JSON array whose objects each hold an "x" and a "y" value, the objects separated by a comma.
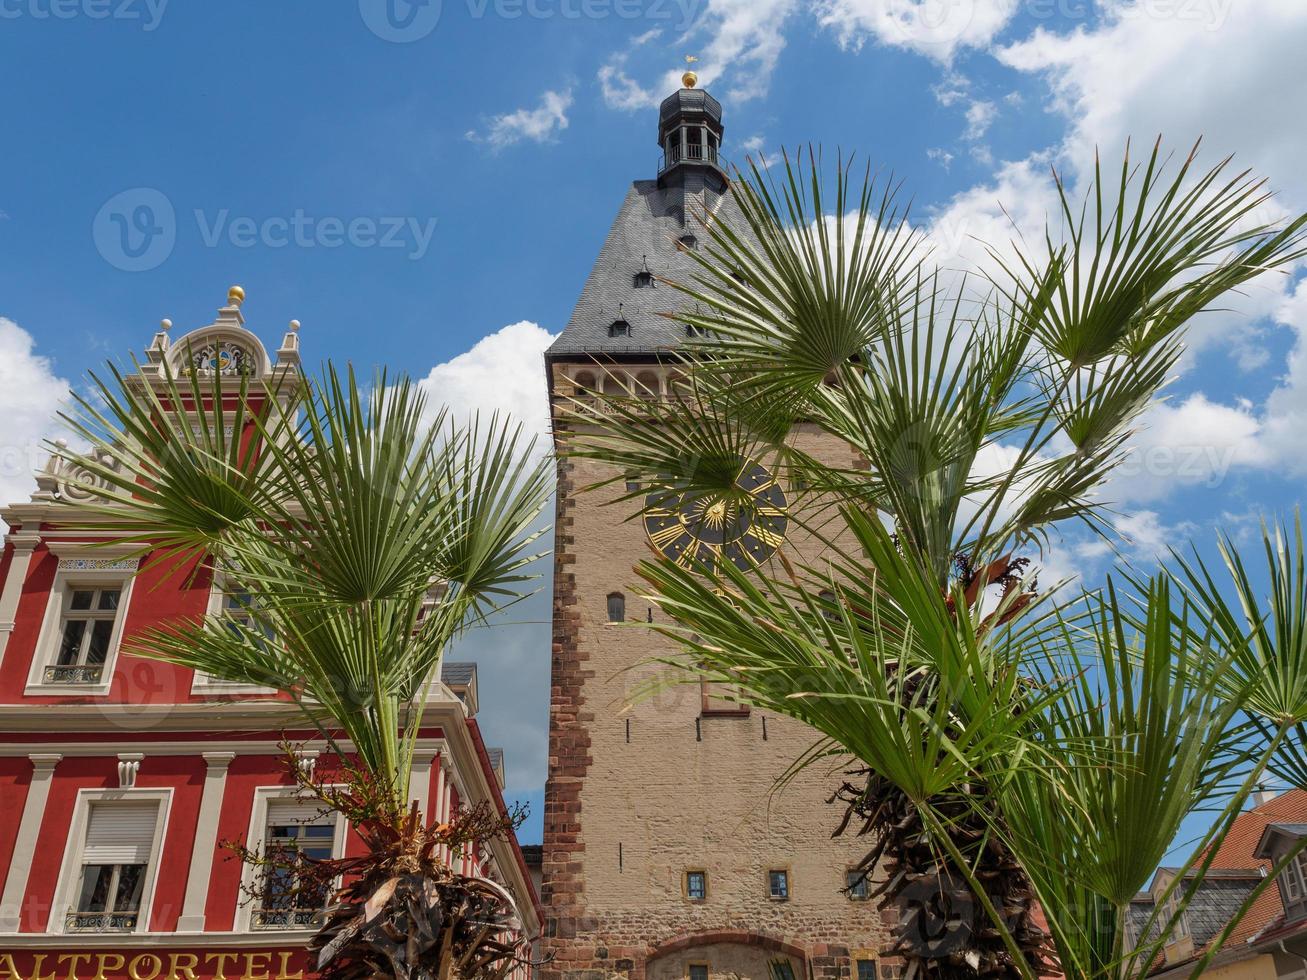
[
  {"x": 691, "y": 78},
  {"x": 236, "y": 296}
]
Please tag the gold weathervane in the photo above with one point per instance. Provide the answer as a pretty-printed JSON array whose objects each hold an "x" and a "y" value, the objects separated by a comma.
[{"x": 691, "y": 78}]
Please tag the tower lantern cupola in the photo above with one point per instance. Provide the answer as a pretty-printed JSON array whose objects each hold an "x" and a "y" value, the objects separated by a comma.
[{"x": 690, "y": 134}]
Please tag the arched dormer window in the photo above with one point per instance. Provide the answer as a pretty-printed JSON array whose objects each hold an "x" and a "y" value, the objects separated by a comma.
[
  {"x": 691, "y": 330},
  {"x": 687, "y": 242},
  {"x": 644, "y": 279},
  {"x": 619, "y": 328},
  {"x": 616, "y": 607}
]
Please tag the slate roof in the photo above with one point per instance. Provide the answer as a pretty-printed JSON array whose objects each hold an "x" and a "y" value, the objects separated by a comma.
[
  {"x": 646, "y": 230},
  {"x": 457, "y": 673}
]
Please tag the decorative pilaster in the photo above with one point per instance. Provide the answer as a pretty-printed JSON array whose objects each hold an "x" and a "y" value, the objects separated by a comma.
[
  {"x": 419, "y": 780},
  {"x": 206, "y": 841},
  {"x": 29, "y": 826},
  {"x": 24, "y": 543}
]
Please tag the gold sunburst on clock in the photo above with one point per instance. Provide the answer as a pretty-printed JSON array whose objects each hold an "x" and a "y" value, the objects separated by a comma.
[{"x": 689, "y": 528}]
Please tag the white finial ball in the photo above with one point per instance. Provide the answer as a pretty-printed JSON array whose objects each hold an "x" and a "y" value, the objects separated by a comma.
[
  {"x": 294, "y": 326},
  {"x": 61, "y": 443},
  {"x": 165, "y": 324}
]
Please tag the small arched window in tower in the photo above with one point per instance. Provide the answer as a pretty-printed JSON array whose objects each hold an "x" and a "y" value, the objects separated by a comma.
[
  {"x": 644, "y": 279},
  {"x": 619, "y": 327},
  {"x": 616, "y": 607}
]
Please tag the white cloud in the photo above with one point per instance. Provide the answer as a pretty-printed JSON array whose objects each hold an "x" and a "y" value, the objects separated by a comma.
[
  {"x": 30, "y": 396},
  {"x": 935, "y": 28},
  {"x": 739, "y": 43},
  {"x": 980, "y": 115},
  {"x": 1133, "y": 77},
  {"x": 940, "y": 155},
  {"x": 1228, "y": 73},
  {"x": 503, "y": 372},
  {"x": 1142, "y": 536},
  {"x": 620, "y": 90},
  {"x": 540, "y": 124},
  {"x": 1196, "y": 442}
]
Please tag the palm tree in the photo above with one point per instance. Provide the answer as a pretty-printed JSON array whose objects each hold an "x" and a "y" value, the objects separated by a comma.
[
  {"x": 369, "y": 534},
  {"x": 1003, "y": 747}
]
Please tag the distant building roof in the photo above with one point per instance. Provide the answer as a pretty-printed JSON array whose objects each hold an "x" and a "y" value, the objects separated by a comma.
[
  {"x": 534, "y": 854},
  {"x": 458, "y": 672},
  {"x": 1235, "y": 871}
]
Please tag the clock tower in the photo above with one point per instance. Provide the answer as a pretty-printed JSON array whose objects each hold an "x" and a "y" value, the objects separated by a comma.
[{"x": 667, "y": 852}]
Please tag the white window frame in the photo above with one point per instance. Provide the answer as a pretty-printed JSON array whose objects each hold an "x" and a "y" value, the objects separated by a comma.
[
  {"x": 1294, "y": 879},
  {"x": 70, "y": 869},
  {"x": 85, "y": 568},
  {"x": 202, "y": 683},
  {"x": 256, "y": 838}
]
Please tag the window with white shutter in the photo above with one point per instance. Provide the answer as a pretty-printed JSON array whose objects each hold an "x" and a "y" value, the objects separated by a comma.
[{"x": 115, "y": 858}]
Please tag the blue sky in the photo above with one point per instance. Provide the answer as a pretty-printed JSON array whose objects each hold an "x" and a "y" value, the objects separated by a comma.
[{"x": 425, "y": 186}]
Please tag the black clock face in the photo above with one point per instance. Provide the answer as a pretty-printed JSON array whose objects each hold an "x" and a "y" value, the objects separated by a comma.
[{"x": 689, "y": 528}]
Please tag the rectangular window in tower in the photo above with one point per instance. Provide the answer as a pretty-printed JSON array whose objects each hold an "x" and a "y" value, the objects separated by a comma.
[
  {"x": 778, "y": 884},
  {"x": 616, "y": 607},
  {"x": 697, "y": 971},
  {"x": 721, "y": 700},
  {"x": 115, "y": 858},
  {"x": 866, "y": 970},
  {"x": 298, "y": 833},
  {"x": 696, "y": 885},
  {"x": 86, "y": 629},
  {"x": 855, "y": 885}
]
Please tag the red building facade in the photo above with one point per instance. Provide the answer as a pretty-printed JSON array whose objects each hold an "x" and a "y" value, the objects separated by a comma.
[{"x": 123, "y": 781}]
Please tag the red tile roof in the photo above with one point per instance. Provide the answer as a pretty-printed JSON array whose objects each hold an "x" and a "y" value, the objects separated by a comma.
[{"x": 1236, "y": 851}]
